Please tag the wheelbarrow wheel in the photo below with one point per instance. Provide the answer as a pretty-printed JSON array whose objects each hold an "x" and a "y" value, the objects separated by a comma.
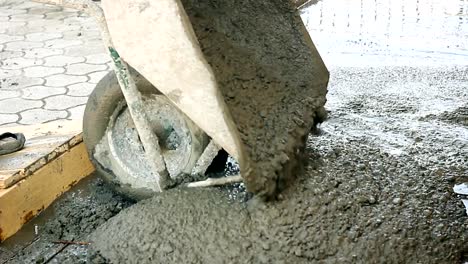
[{"x": 114, "y": 146}]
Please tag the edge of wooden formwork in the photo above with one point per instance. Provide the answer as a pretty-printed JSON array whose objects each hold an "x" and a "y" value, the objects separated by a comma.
[{"x": 28, "y": 197}]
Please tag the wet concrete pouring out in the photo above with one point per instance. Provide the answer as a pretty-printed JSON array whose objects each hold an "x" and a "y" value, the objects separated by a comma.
[{"x": 378, "y": 174}]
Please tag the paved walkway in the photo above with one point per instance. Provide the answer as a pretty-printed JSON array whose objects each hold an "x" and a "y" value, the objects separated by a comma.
[{"x": 50, "y": 61}]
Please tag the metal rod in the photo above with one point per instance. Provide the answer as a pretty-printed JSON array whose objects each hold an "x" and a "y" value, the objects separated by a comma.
[
  {"x": 131, "y": 94},
  {"x": 215, "y": 181},
  {"x": 206, "y": 158}
]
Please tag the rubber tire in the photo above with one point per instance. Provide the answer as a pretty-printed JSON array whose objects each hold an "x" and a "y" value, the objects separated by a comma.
[{"x": 101, "y": 105}]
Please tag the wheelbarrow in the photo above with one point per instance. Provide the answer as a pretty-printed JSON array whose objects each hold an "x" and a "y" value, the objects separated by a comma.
[{"x": 192, "y": 77}]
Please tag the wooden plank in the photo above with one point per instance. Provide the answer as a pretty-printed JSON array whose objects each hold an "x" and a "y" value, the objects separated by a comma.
[
  {"x": 25, "y": 199},
  {"x": 44, "y": 143}
]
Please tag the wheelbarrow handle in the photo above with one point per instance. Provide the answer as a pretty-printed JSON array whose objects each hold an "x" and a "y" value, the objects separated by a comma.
[{"x": 131, "y": 94}]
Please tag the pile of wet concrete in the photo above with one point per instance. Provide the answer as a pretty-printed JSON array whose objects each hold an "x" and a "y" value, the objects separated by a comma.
[
  {"x": 376, "y": 188},
  {"x": 353, "y": 203}
]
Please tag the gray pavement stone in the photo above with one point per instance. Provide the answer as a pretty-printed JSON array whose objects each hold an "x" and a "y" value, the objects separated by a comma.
[
  {"x": 47, "y": 25},
  {"x": 42, "y": 36},
  {"x": 20, "y": 63},
  {"x": 76, "y": 112},
  {"x": 102, "y": 58},
  {"x": 60, "y": 80},
  {"x": 57, "y": 15},
  {"x": 19, "y": 82},
  {"x": 23, "y": 30},
  {"x": 62, "y": 102},
  {"x": 40, "y": 92},
  {"x": 91, "y": 34},
  {"x": 10, "y": 12},
  {"x": 16, "y": 105},
  {"x": 7, "y": 73},
  {"x": 27, "y": 5},
  {"x": 4, "y": 55},
  {"x": 8, "y": 118},
  {"x": 95, "y": 77},
  {"x": 6, "y": 94},
  {"x": 62, "y": 60},
  {"x": 42, "y": 71},
  {"x": 43, "y": 10},
  {"x": 80, "y": 89},
  {"x": 61, "y": 28},
  {"x": 4, "y": 26},
  {"x": 4, "y": 38},
  {"x": 25, "y": 17},
  {"x": 62, "y": 43},
  {"x": 84, "y": 50},
  {"x": 50, "y": 60},
  {"x": 84, "y": 68},
  {"x": 37, "y": 116},
  {"x": 42, "y": 52},
  {"x": 22, "y": 45}
]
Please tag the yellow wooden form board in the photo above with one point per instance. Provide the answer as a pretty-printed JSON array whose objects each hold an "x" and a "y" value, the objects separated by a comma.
[
  {"x": 25, "y": 199},
  {"x": 44, "y": 142}
]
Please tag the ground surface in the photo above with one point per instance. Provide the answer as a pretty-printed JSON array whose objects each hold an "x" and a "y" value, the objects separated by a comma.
[
  {"x": 50, "y": 61},
  {"x": 377, "y": 188},
  {"x": 379, "y": 178},
  {"x": 72, "y": 217}
]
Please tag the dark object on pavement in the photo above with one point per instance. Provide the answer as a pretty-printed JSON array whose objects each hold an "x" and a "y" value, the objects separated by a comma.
[{"x": 11, "y": 142}]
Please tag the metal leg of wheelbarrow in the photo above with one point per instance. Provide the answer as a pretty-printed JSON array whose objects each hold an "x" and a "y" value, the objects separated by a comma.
[
  {"x": 202, "y": 165},
  {"x": 131, "y": 94}
]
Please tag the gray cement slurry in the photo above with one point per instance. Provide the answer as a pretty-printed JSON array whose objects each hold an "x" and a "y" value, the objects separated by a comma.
[
  {"x": 377, "y": 188},
  {"x": 272, "y": 78}
]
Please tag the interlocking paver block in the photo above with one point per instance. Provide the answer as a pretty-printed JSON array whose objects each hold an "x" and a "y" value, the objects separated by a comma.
[
  {"x": 9, "y": 12},
  {"x": 40, "y": 92},
  {"x": 6, "y": 73},
  {"x": 45, "y": 24},
  {"x": 19, "y": 63},
  {"x": 42, "y": 36},
  {"x": 76, "y": 112},
  {"x": 5, "y": 94},
  {"x": 19, "y": 82},
  {"x": 7, "y": 54},
  {"x": 57, "y": 15},
  {"x": 83, "y": 34},
  {"x": 102, "y": 58},
  {"x": 4, "y": 38},
  {"x": 43, "y": 10},
  {"x": 62, "y": 60},
  {"x": 27, "y": 5},
  {"x": 61, "y": 28},
  {"x": 16, "y": 105},
  {"x": 42, "y": 71},
  {"x": 4, "y": 26},
  {"x": 35, "y": 116},
  {"x": 22, "y": 45},
  {"x": 62, "y": 102},
  {"x": 96, "y": 76},
  {"x": 25, "y": 17},
  {"x": 81, "y": 89},
  {"x": 84, "y": 68},
  {"x": 23, "y": 30},
  {"x": 44, "y": 74},
  {"x": 62, "y": 43},
  {"x": 60, "y": 80},
  {"x": 84, "y": 50},
  {"x": 42, "y": 52},
  {"x": 8, "y": 118}
]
